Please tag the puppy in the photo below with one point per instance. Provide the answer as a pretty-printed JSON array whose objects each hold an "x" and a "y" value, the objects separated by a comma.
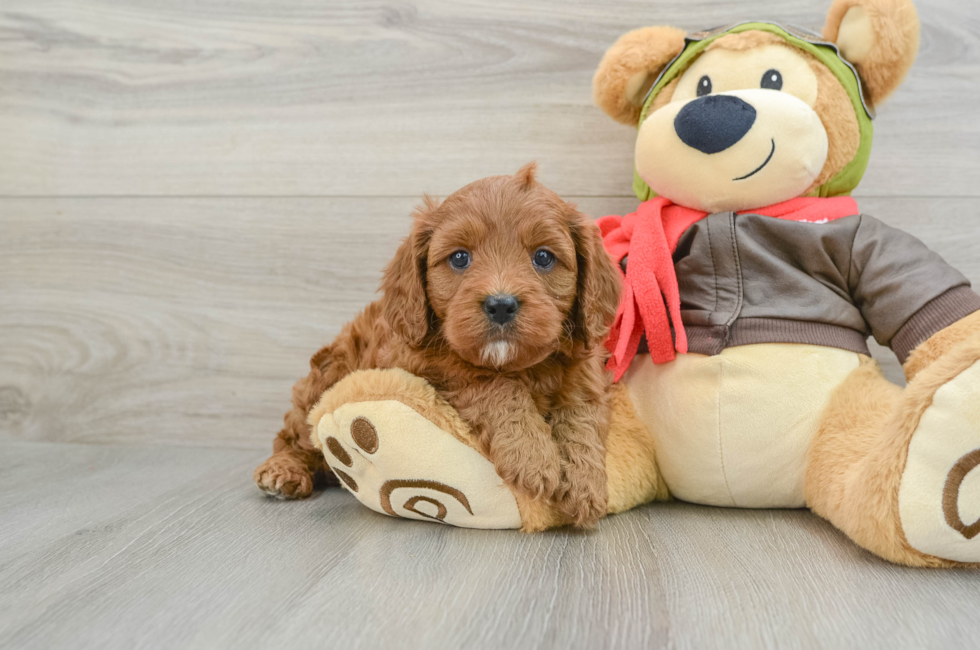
[{"x": 501, "y": 298}]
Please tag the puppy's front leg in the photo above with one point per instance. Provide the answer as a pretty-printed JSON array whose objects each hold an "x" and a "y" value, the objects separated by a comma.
[
  {"x": 582, "y": 494},
  {"x": 517, "y": 439},
  {"x": 579, "y": 425}
]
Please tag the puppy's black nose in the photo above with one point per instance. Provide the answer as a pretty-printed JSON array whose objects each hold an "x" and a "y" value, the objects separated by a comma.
[
  {"x": 501, "y": 308},
  {"x": 714, "y": 122}
]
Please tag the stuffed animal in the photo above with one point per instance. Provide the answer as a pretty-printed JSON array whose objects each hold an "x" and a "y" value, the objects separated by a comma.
[{"x": 752, "y": 281}]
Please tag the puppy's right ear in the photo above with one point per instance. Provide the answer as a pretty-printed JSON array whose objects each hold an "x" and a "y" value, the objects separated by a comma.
[
  {"x": 629, "y": 68},
  {"x": 405, "y": 304}
]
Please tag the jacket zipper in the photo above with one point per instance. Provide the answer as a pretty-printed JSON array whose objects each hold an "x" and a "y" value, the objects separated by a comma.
[{"x": 738, "y": 279}]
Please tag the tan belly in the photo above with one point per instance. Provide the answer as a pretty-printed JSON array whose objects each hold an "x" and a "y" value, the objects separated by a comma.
[{"x": 733, "y": 429}]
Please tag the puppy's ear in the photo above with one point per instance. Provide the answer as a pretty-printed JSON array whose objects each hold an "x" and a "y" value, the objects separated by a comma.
[
  {"x": 599, "y": 282},
  {"x": 880, "y": 37},
  {"x": 629, "y": 68},
  {"x": 526, "y": 175},
  {"x": 405, "y": 303}
]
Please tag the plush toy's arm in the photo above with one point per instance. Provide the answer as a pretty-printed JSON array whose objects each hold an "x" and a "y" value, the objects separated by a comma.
[
  {"x": 906, "y": 292},
  {"x": 942, "y": 342}
]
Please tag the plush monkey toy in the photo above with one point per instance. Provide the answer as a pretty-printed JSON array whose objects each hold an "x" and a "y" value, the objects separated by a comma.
[{"x": 752, "y": 282}]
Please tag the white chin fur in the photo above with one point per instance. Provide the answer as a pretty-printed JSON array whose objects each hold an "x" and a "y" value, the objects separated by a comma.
[{"x": 496, "y": 353}]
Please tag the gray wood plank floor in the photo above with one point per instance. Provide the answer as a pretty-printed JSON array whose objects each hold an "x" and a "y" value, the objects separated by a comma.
[
  {"x": 126, "y": 547},
  {"x": 195, "y": 195}
]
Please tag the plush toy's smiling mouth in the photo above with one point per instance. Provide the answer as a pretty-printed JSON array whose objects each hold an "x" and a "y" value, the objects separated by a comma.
[{"x": 759, "y": 168}]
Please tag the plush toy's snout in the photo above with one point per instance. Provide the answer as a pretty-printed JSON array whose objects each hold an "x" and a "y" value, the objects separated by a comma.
[
  {"x": 714, "y": 123},
  {"x": 732, "y": 150}
]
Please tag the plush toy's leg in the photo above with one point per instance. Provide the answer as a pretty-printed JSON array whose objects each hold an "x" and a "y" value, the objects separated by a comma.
[
  {"x": 632, "y": 476},
  {"x": 894, "y": 469},
  {"x": 403, "y": 451}
]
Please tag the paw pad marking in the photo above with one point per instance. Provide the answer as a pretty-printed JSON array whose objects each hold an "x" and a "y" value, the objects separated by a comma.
[
  {"x": 351, "y": 483},
  {"x": 364, "y": 434},
  {"x": 441, "y": 509},
  {"x": 390, "y": 486},
  {"x": 403, "y": 465},
  {"x": 338, "y": 451},
  {"x": 951, "y": 495}
]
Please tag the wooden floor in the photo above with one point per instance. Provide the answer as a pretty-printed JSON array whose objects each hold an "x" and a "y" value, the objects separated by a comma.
[{"x": 195, "y": 195}]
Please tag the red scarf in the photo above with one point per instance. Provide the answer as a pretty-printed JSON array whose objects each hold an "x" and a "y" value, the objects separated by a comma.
[{"x": 649, "y": 236}]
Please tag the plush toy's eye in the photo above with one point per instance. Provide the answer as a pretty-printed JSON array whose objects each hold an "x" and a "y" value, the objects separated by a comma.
[
  {"x": 544, "y": 259},
  {"x": 772, "y": 80},
  {"x": 704, "y": 86},
  {"x": 459, "y": 260}
]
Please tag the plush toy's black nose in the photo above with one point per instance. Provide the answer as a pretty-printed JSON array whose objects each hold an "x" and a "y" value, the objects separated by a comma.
[
  {"x": 501, "y": 308},
  {"x": 714, "y": 122}
]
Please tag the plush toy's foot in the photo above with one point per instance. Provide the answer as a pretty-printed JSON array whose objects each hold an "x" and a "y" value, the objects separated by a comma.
[
  {"x": 939, "y": 493},
  {"x": 402, "y": 451},
  {"x": 899, "y": 470}
]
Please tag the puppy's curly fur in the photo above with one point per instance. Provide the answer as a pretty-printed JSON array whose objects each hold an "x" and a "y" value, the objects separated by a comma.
[{"x": 533, "y": 389}]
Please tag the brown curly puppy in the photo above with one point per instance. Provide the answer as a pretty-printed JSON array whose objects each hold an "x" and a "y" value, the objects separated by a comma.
[{"x": 500, "y": 297}]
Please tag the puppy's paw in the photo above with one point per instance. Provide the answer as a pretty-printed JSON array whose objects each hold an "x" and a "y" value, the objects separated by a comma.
[
  {"x": 283, "y": 477},
  {"x": 582, "y": 496},
  {"x": 583, "y": 504},
  {"x": 532, "y": 469}
]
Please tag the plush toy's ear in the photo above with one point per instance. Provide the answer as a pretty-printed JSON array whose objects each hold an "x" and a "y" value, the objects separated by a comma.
[
  {"x": 405, "y": 303},
  {"x": 880, "y": 37},
  {"x": 599, "y": 282},
  {"x": 629, "y": 68}
]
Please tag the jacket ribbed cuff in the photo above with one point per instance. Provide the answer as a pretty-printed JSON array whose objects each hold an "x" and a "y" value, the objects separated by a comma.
[{"x": 939, "y": 313}]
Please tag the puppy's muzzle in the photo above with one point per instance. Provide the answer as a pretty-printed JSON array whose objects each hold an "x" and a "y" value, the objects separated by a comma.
[{"x": 501, "y": 308}]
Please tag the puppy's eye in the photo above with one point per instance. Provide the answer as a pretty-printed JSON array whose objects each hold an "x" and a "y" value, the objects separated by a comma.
[
  {"x": 459, "y": 260},
  {"x": 704, "y": 86},
  {"x": 772, "y": 80},
  {"x": 543, "y": 259}
]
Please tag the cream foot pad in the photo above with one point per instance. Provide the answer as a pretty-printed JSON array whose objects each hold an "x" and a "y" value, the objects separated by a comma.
[
  {"x": 397, "y": 462},
  {"x": 939, "y": 497}
]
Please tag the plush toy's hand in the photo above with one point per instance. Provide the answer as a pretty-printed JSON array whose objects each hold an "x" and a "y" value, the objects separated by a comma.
[{"x": 940, "y": 343}]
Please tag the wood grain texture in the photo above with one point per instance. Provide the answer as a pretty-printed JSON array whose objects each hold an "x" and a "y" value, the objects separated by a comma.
[
  {"x": 125, "y": 547},
  {"x": 186, "y": 321},
  {"x": 139, "y": 317},
  {"x": 391, "y": 97}
]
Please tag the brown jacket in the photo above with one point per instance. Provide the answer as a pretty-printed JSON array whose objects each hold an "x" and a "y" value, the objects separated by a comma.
[{"x": 751, "y": 279}]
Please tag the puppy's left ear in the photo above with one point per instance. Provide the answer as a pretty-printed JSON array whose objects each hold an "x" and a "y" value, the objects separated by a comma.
[
  {"x": 880, "y": 37},
  {"x": 599, "y": 282}
]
